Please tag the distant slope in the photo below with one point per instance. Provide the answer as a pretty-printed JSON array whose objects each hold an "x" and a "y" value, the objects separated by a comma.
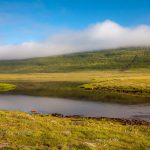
[{"x": 120, "y": 59}]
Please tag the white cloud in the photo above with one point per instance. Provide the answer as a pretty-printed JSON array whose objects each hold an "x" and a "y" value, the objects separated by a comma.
[{"x": 103, "y": 35}]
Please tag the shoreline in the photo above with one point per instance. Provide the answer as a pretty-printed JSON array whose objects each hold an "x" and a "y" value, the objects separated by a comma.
[
  {"x": 123, "y": 121},
  {"x": 39, "y": 131}
]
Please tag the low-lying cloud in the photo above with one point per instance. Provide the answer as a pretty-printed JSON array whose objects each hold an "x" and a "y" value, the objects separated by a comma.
[{"x": 103, "y": 35}]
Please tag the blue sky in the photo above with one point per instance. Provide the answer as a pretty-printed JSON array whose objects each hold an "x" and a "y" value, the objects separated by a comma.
[{"x": 36, "y": 20}]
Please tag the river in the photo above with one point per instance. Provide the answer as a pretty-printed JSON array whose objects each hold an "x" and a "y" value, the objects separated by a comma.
[{"x": 74, "y": 107}]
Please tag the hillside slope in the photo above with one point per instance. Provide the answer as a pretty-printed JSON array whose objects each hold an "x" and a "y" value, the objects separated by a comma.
[{"x": 120, "y": 59}]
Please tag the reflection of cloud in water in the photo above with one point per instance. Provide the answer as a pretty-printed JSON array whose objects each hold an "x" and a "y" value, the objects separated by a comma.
[{"x": 73, "y": 107}]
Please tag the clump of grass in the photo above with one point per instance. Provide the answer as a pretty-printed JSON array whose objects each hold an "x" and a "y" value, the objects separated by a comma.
[
  {"x": 6, "y": 87},
  {"x": 26, "y": 131},
  {"x": 133, "y": 85}
]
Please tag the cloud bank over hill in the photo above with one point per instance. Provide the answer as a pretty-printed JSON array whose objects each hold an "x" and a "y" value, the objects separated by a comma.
[{"x": 103, "y": 35}]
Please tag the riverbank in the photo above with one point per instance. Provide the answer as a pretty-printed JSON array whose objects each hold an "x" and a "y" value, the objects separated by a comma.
[
  {"x": 130, "y": 87},
  {"x": 37, "y": 131},
  {"x": 120, "y": 120}
]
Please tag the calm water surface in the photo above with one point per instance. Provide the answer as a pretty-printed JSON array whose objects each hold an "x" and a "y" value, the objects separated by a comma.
[{"x": 74, "y": 107}]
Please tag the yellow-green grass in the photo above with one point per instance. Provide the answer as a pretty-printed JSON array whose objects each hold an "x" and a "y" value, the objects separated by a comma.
[
  {"x": 6, "y": 87},
  {"x": 84, "y": 76},
  {"x": 20, "y": 130},
  {"x": 109, "y": 86},
  {"x": 132, "y": 85}
]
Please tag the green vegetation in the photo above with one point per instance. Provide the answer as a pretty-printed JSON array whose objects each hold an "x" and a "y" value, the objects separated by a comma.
[
  {"x": 108, "y": 86},
  {"x": 23, "y": 131},
  {"x": 6, "y": 87},
  {"x": 110, "y": 75},
  {"x": 125, "y": 85},
  {"x": 121, "y": 76},
  {"x": 119, "y": 59}
]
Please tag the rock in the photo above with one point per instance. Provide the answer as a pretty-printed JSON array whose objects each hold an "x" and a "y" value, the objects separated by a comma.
[
  {"x": 54, "y": 121},
  {"x": 57, "y": 115},
  {"x": 90, "y": 144},
  {"x": 34, "y": 111},
  {"x": 67, "y": 132}
]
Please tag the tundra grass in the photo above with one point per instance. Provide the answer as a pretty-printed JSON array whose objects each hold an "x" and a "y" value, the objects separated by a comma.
[
  {"x": 132, "y": 85},
  {"x": 6, "y": 87},
  {"x": 24, "y": 131},
  {"x": 107, "y": 86}
]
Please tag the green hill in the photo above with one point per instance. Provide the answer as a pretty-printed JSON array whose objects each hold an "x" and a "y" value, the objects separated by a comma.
[{"x": 120, "y": 59}]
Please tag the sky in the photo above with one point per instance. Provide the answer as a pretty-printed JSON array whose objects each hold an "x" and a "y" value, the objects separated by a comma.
[{"x": 34, "y": 28}]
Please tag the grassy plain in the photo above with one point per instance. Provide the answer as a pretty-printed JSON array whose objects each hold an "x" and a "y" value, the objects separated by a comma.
[
  {"x": 128, "y": 87},
  {"x": 23, "y": 131}
]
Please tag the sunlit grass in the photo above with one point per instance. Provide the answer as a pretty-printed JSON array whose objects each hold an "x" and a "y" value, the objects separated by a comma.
[
  {"x": 21, "y": 130},
  {"x": 6, "y": 87},
  {"x": 107, "y": 86},
  {"x": 123, "y": 84},
  {"x": 82, "y": 76}
]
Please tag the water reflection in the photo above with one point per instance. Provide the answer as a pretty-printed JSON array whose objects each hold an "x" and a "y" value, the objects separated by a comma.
[{"x": 73, "y": 107}]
